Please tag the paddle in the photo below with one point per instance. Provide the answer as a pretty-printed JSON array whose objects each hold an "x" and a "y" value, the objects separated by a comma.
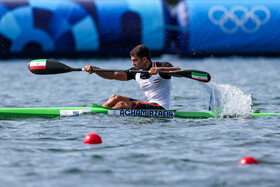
[{"x": 47, "y": 66}]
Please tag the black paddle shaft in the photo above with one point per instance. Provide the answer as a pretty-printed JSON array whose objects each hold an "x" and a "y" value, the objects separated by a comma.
[
  {"x": 179, "y": 73},
  {"x": 48, "y": 66}
]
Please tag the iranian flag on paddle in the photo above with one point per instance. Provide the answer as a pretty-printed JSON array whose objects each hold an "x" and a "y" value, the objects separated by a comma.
[
  {"x": 37, "y": 64},
  {"x": 200, "y": 76}
]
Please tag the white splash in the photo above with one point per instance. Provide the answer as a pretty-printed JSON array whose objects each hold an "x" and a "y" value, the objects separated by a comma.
[{"x": 227, "y": 100}]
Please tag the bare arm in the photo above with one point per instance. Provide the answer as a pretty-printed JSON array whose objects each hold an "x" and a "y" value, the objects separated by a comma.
[
  {"x": 154, "y": 70},
  {"x": 121, "y": 76}
]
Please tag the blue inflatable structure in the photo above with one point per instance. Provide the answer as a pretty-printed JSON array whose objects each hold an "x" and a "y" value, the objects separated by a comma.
[
  {"x": 104, "y": 28},
  {"x": 233, "y": 27},
  {"x": 74, "y": 28}
]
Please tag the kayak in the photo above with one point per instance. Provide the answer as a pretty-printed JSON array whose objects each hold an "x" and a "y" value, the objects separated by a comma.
[{"x": 73, "y": 111}]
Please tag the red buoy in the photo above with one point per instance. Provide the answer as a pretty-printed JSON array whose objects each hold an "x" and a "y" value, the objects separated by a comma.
[
  {"x": 248, "y": 160},
  {"x": 92, "y": 138}
]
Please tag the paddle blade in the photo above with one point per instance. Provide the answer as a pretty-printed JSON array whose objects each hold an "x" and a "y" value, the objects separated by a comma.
[
  {"x": 47, "y": 66},
  {"x": 200, "y": 76},
  {"x": 192, "y": 74}
]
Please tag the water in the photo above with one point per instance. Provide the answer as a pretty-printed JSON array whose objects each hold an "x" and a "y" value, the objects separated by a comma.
[
  {"x": 142, "y": 151},
  {"x": 227, "y": 100}
]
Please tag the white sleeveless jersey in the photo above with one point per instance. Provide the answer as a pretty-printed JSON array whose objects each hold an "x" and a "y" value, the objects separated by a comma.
[{"x": 156, "y": 89}]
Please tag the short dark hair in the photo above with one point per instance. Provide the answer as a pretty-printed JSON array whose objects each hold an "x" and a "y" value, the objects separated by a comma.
[{"x": 141, "y": 51}]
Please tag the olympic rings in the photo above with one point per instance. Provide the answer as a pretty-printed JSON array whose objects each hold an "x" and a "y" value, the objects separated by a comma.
[{"x": 240, "y": 17}]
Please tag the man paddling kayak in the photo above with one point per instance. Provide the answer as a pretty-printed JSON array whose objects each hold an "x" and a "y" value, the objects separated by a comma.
[{"x": 156, "y": 86}]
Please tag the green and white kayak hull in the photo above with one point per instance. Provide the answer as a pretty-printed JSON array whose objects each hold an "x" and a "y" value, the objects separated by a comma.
[{"x": 73, "y": 111}]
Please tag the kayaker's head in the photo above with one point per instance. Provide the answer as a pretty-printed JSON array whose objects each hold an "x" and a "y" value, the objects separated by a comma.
[{"x": 141, "y": 57}]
